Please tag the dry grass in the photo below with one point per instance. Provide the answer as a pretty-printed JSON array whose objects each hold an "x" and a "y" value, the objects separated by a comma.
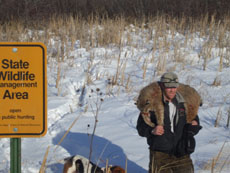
[
  {"x": 43, "y": 166},
  {"x": 218, "y": 117},
  {"x": 228, "y": 119},
  {"x": 96, "y": 30},
  {"x": 101, "y": 32},
  {"x": 220, "y": 162},
  {"x": 94, "y": 25}
]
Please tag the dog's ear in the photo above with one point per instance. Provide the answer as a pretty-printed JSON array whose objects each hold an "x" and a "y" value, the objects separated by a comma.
[
  {"x": 69, "y": 159},
  {"x": 79, "y": 166},
  {"x": 68, "y": 164}
]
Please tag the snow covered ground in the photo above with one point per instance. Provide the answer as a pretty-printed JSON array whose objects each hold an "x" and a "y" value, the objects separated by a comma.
[{"x": 116, "y": 137}]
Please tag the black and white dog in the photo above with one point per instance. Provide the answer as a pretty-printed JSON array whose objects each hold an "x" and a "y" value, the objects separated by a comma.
[{"x": 79, "y": 164}]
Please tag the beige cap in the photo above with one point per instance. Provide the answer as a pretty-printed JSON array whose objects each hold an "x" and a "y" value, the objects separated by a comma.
[{"x": 170, "y": 80}]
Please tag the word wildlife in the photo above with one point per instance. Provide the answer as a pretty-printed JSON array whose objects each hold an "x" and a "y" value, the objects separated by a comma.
[{"x": 14, "y": 75}]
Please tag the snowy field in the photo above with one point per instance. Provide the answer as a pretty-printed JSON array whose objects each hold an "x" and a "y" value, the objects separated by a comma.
[{"x": 119, "y": 73}]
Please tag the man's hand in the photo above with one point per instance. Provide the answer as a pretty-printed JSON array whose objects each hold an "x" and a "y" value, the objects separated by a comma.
[
  {"x": 158, "y": 130},
  {"x": 194, "y": 123}
]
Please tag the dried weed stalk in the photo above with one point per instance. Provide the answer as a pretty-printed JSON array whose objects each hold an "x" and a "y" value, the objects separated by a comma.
[{"x": 95, "y": 106}]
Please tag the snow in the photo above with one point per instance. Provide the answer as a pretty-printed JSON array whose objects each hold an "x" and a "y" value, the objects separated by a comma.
[{"x": 74, "y": 105}]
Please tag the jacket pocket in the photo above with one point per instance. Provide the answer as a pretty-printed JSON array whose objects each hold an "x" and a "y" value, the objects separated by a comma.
[{"x": 187, "y": 144}]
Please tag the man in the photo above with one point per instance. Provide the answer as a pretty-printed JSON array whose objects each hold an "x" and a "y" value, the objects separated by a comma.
[{"x": 169, "y": 143}]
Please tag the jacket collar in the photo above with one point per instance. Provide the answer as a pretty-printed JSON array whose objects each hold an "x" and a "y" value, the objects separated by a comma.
[{"x": 179, "y": 97}]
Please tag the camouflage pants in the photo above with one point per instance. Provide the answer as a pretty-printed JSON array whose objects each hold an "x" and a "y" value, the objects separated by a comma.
[{"x": 164, "y": 163}]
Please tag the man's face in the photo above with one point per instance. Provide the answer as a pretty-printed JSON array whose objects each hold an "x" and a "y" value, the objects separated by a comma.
[{"x": 170, "y": 93}]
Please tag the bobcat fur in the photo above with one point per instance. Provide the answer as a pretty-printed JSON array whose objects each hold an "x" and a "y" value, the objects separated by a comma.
[{"x": 150, "y": 99}]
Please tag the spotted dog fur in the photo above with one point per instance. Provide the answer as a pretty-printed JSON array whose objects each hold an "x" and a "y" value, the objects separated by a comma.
[{"x": 79, "y": 164}]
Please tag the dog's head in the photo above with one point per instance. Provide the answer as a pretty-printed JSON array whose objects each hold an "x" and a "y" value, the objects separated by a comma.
[
  {"x": 79, "y": 164},
  {"x": 73, "y": 165}
]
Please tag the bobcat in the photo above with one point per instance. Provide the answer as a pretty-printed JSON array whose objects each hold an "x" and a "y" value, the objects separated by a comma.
[{"x": 150, "y": 99}]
